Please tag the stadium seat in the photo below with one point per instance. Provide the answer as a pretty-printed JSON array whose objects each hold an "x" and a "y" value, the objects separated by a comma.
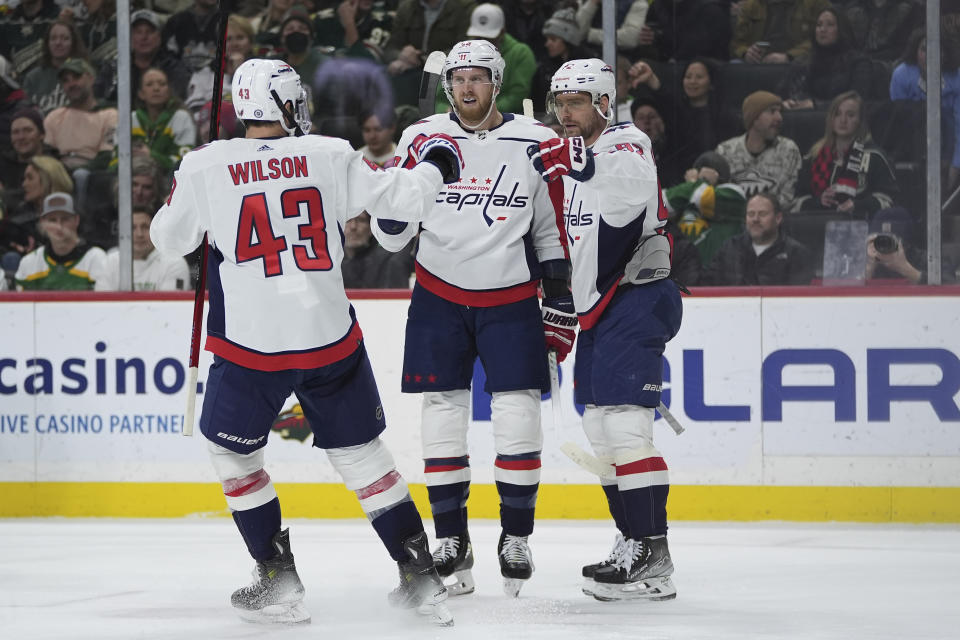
[
  {"x": 804, "y": 126},
  {"x": 738, "y": 80}
]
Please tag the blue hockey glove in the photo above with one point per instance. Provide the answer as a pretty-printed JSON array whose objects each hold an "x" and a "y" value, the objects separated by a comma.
[{"x": 440, "y": 150}]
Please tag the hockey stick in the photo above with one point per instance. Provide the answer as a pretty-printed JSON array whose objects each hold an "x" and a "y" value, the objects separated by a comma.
[
  {"x": 200, "y": 293},
  {"x": 673, "y": 422},
  {"x": 594, "y": 465},
  {"x": 571, "y": 449},
  {"x": 554, "y": 391},
  {"x": 432, "y": 69}
]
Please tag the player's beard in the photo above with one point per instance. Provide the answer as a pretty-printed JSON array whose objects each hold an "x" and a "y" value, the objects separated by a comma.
[
  {"x": 585, "y": 130},
  {"x": 473, "y": 115}
]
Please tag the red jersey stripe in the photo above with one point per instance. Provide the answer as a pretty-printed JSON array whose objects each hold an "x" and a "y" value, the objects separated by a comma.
[
  {"x": 311, "y": 359},
  {"x": 641, "y": 466},
  {"x": 470, "y": 298},
  {"x": 590, "y": 318}
]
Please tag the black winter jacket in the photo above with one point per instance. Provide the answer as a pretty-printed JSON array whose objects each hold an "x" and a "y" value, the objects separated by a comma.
[{"x": 785, "y": 262}]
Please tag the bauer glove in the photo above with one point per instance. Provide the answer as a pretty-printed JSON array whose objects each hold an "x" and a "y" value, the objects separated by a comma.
[
  {"x": 440, "y": 150},
  {"x": 562, "y": 156},
  {"x": 559, "y": 325}
]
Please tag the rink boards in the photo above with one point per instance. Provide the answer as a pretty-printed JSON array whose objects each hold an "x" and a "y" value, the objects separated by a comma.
[{"x": 799, "y": 404}]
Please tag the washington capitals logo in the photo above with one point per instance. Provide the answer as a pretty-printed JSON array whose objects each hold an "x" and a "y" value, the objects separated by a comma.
[
  {"x": 574, "y": 217},
  {"x": 479, "y": 191}
]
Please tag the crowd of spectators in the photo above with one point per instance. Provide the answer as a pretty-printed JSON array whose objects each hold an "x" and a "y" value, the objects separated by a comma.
[{"x": 768, "y": 119}]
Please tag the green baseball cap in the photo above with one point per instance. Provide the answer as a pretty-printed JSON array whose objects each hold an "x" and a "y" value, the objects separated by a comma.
[{"x": 78, "y": 66}]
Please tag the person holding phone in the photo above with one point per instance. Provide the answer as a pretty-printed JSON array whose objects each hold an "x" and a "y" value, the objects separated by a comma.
[{"x": 775, "y": 32}]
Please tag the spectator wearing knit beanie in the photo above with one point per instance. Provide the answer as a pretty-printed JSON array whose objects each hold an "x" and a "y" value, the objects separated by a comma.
[
  {"x": 758, "y": 102},
  {"x": 762, "y": 159},
  {"x": 562, "y": 39}
]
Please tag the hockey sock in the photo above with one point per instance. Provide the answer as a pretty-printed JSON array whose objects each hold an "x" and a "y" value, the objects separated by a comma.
[
  {"x": 645, "y": 510},
  {"x": 258, "y": 526},
  {"x": 615, "y": 504},
  {"x": 448, "y": 502},
  {"x": 517, "y": 505},
  {"x": 518, "y": 480},
  {"x": 395, "y": 525},
  {"x": 391, "y": 511}
]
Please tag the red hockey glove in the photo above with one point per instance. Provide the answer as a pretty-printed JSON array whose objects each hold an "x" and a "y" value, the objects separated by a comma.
[
  {"x": 562, "y": 156},
  {"x": 442, "y": 151},
  {"x": 559, "y": 324}
]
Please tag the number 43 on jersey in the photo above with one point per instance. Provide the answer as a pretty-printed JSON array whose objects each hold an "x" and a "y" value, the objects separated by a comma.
[{"x": 257, "y": 241}]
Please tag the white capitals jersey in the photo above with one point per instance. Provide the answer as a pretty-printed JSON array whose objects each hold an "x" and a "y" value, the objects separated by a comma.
[
  {"x": 274, "y": 211},
  {"x": 614, "y": 221},
  {"x": 482, "y": 241}
]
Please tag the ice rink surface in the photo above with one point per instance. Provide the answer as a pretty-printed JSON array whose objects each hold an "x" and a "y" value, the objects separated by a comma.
[{"x": 66, "y": 579}]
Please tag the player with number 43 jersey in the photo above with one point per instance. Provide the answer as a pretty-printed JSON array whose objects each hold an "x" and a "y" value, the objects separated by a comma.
[
  {"x": 628, "y": 310},
  {"x": 487, "y": 244},
  {"x": 273, "y": 206}
]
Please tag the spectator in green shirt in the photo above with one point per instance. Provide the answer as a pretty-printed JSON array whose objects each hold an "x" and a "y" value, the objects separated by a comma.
[{"x": 64, "y": 261}]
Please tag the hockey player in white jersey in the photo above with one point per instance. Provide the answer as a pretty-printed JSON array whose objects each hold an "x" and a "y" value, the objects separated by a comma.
[
  {"x": 488, "y": 242},
  {"x": 273, "y": 206},
  {"x": 628, "y": 309}
]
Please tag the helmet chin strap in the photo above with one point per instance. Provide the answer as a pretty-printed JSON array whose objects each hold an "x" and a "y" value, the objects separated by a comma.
[
  {"x": 297, "y": 131},
  {"x": 610, "y": 109}
]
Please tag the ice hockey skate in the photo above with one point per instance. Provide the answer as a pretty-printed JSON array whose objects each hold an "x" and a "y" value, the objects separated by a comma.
[
  {"x": 619, "y": 545},
  {"x": 454, "y": 557},
  {"x": 516, "y": 562},
  {"x": 420, "y": 586},
  {"x": 276, "y": 594},
  {"x": 642, "y": 573}
]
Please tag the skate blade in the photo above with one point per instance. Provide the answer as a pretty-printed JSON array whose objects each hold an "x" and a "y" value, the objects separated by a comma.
[
  {"x": 654, "y": 590},
  {"x": 461, "y": 584},
  {"x": 277, "y": 614},
  {"x": 438, "y": 613},
  {"x": 589, "y": 587},
  {"x": 512, "y": 586}
]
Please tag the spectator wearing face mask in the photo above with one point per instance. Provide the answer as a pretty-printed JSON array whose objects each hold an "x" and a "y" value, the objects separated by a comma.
[{"x": 296, "y": 47}]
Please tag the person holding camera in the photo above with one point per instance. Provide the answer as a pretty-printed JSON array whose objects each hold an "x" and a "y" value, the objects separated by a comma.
[
  {"x": 844, "y": 170},
  {"x": 892, "y": 253}
]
